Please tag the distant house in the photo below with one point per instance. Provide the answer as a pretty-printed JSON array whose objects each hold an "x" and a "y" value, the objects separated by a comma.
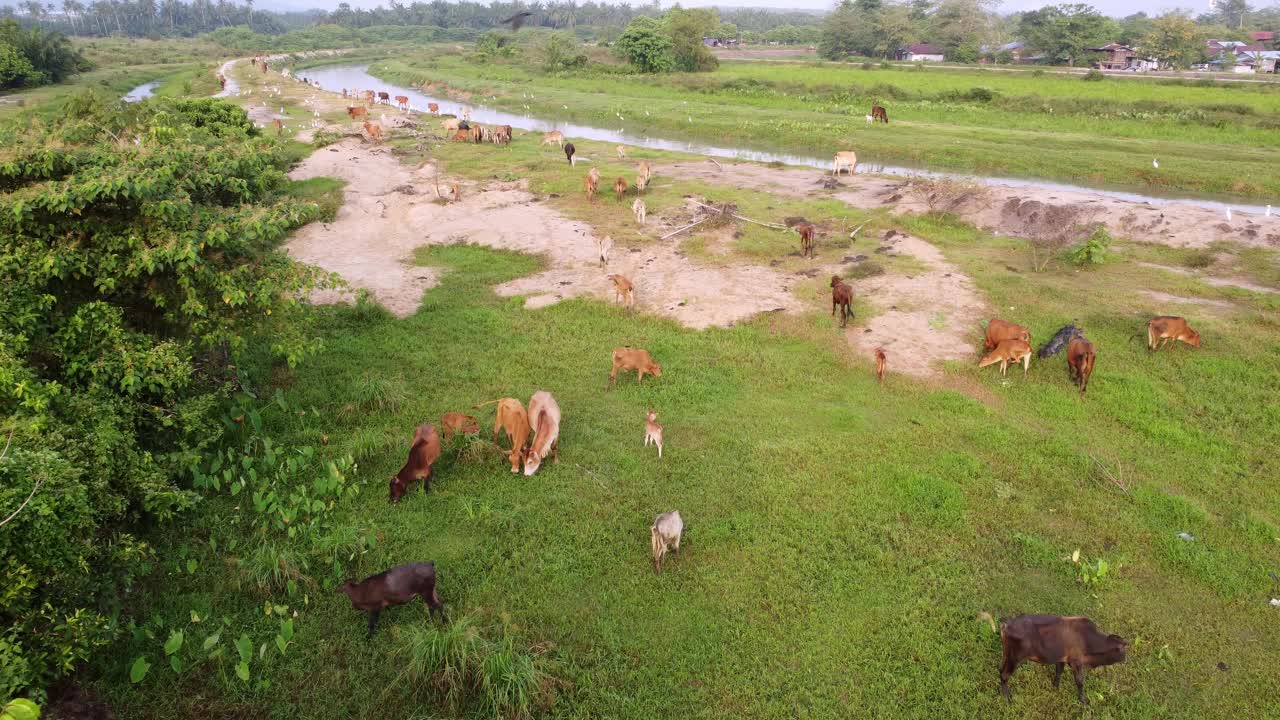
[
  {"x": 1262, "y": 61},
  {"x": 1264, "y": 37},
  {"x": 1118, "y": 56},
  {"x": 921, "y": 52},
  {"x": 1014, "y": 49},
  {"x": 1214, "y": 48},
  {"x": 717, "y": 42}
]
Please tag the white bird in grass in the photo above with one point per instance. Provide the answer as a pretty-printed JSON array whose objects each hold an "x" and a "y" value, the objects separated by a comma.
[
  {"x": 1228, "y": 214},
  {"x": 1268, "y": 211},
  {"x": 1155, "y": 164}
]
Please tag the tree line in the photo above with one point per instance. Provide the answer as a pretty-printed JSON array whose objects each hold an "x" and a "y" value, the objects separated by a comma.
[{"x": 31, "y": 56}]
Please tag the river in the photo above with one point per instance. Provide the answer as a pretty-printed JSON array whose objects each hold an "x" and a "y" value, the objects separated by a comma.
[
  {"x": 356, "y": 76},
  {"x": 142, "y": 92}
]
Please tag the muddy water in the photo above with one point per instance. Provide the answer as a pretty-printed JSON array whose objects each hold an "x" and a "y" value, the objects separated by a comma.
[
  {"x": 142, "y": 92},
  {"x": 356, "y": 76}
]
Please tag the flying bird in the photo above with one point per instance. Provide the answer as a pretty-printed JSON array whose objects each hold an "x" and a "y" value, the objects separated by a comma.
[{"x": 516, "y": 21}]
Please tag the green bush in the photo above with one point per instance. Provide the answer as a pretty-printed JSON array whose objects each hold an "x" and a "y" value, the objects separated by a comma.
[
  {"x": 140, "y": 261},
  {"x": 1093, "y": 76},
  {"x": 1093, "y": 249}
]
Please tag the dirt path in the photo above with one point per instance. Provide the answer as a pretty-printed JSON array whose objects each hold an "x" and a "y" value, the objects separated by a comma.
[{"x": 1004, "y": 209}]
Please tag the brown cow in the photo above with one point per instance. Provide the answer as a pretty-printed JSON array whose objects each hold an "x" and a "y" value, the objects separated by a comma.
[
  {"x": 544, "y": 419},
  {"x": 1009, "y": 351},
  {"x": 396, "y": 586},
  {"x": 592, "y": 184},
  {"x": 222, "y": 81},
  {"x": 629, "y": 358},
  {"x": 384, "y": 98},
  {"x": 423, "y": 453},
  {"x": 653, "y": 431},
  {"x": 461, "y": 136},
  {"x": 998, "y": 330},
  {"x": 477, "y": 134},
  {"x": 881, "y": 361},
  {"x": 357, "y": 112},
  {"x": 514, "y": 421},
  {"x": 643, "y": 173},
  {"x": 623, "y": 290},
  {"x": 374, "y": 130},
  {"x": 279, "y": 126},
  {"x": 1059, "y": 641},
  {"x": 1080, "y": 357},
  {"x": 879, "y": 113},
  {"x": 554, "y": 137},
  {"x": 501, "y": 135},
  {"x": 620, "y": 188},
  {"x": 807, "y": 231},
  {"x": 368, "y": 97},
  {"x": 456, "y": 423},
  {"x": 433, "y": 108},
  {"x": 842, "y": 296},
  {"x": 1169, "y": 330},
  {"x": 402, "y": 102}
]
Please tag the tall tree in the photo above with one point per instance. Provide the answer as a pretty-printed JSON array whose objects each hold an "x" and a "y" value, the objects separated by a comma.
[
  {"x": 1066, "y": 32},
  {"x": 962, "y": 22},
  {"x": 847, "y": 31},
  {"x": 1175, "y": 40}
]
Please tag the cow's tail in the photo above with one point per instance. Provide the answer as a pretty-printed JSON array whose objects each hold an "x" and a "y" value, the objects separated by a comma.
[{"x": 477, "y": 407}]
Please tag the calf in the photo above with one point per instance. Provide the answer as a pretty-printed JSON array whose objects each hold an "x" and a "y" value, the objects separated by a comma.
[
  {"x": 847, "y": 159},
  {"x": 450, "y": 125},
  {"x": 511, "y": 419},
  {"x": 461, "y": 136},
  {"x": 569, "y": 150},
  {"x": 807, "y": 231},
  {"x": 623, "y": 290},
  {"x": 629, "y": 358},
  {"x": 396, "y": 586},
  {"x": 555, "y": 137},
  {"x": 663, "y": 534},
  {"x": 620, "y": 188},
  {"x": 433, "y": 108},
  {"x": 402, "y": 102},
  {"x": 1080, "y": 357},
  {"x": 544, "y": 418},
  {"x": 374, "y": 130},
  {"x": 423, "y": 453},
  {"x": 998, "y": 330},
  {"x": 640, "y": 210},
  {"x": 592, "y": 184},
  {"x": 477, "y": 134},
  {"x": 1009, "y": 351},
  {"x": 622, "y": 152},
  {"x": 653, "y": 432},
  {"x": 881, "y": 361},
  {"x": 1061, "y": 641},
  {"x": 368, "y": 97},
  {"x": 603, "y": 246},
  {"x": 279, "y": 126},
  {"x": 842, "y": 296},
  {"x": 455, "y": 423},
  {"x": 879, "y": 113},
  {"x": 643, "y": 176},
  {"x": 1170, "y": 330}
]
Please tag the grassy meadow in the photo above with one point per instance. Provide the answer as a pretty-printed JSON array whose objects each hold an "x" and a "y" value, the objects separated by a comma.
[
  {"x": 841, "y": 537},
  {"x": 1212, "y": 138}
]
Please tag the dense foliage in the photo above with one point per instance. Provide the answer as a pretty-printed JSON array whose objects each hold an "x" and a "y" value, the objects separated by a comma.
[
  {"x": 672, "y": 43},
  {"x": 30, "y": 57},
  {"x": 138, "y": 262}
]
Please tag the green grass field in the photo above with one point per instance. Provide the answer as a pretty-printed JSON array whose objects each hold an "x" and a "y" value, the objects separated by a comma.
[
  {"x": 1208, "y": 138},
  {"x": 842, "y": 537}
]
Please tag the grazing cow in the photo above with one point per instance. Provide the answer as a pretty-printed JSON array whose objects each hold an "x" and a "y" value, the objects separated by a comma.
[
  {"x": 643, "y": 176},
  {"x": 461, "y": 136},
  {"x": 544, "y": 420},
  {"x": 998, "y": 330},
  {"x": 623, "y": 290},
  {"x": 279, "y": 126},
  {"x": 844, "y": 159},
  {"x": 881, "y": 361},
  {"x": 357, "y": 112},
  {"x": 457, "y": 190},
  {"x": 622, "y": 152},
  {"x": 450, "y": 125},
  {"x": 456, "y": 423},
  {"x": 629, "y": 358},
  {"x": 603, "y": 246},
  {"x": 368, "y": 97},
  {"x": 1170, "y": 330},
  {"x": 396, "y": 586},
  {"x": 477, "y": 134},
  {"x": 1009, "y": 351},
  {"x": 879, "y": 113},
  {"x": 402, "y": 102},
  {"x": 501, "y": 135},
  {"x": 653, "y": 432},
  {"x": 640, "y": 210},
  {"x": 433, "y": 108},
  {"x": 1080, "y": 357},
  {"x": 620, "y": 188},
  {"x": 1057, "y": 342},
  {"x": 807, "y": 231},
  {"x": 663, "y": 534},
  {"x": 264, "y": 67},
  {"x": 222, "y": 81},
  {"x": 592, "y": 184},
  {"x": 553, "y": 137},
  {"x": 569, "y": 150},
  {"x": 514, "y": 421},
  {"x": 842, "y": 297},
  {"x": 1059, "y": 641},
  {"x": 423, "y": 453},
  {"x": 374, "y": 130},
  {"x": 384, "y": 98}
]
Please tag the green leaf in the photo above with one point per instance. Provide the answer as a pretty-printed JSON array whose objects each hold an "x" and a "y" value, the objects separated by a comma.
[
  {"x": 174, "y": 643},
  {"x": 212, "y": 640},
  {"x": 191, "y": 567},
  {"x": 242, "y": 670},
  {"x": 245, "y": 647},
  {"x": 175, "y": 662},
  {"x": 21, "y": 709},
  {"x": 139, "y": 669},
  {"x": 281, "y": 643},
  {"x": 286, "y": 629}
]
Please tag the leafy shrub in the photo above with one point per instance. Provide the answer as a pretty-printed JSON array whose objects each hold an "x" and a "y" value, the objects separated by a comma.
[
  {"x": 34, "y": 57},
  {"x": 561, "y": 51},
  {"x": 1093, "y": 249},
  {"x": 1093, "y": 76},
  {"x": 1199, "y": 259}
]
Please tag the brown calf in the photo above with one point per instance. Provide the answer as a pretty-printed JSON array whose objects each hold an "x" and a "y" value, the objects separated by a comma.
[
  {"x": 807, "y": 231},
  {"x": 402, "y": 102},
  {"x": 1060, "y": 641},
  {"x": 279, "y": 126},
  {"x": 623, "y": 290},
  {"x": 629, "y": 358},
  {"x": 592, "y": 184},
  {"x": 477, "y": 134},
  {"x": 514, "y": 421},
  {"x": 620, "y": 188},
  {"x": 461, "y": 136},
  {"x": 433, "y": 108},
  {"x": 396, "y": 586},
  {"x": 357, "y": 112},
  {"x": 423, "y": 453},
  {"x": 544, "y": 419},
  {"x": 879, "y": 113},
  {"x": 1009, "y": 351},
  {"x": 842, "y": 296},
  {"x": 1080, "y": 357},
  {"x": 374, "y": 130},
  {"x": 456, "y": 423},
  {"x": 1168, "y": 330},
  {"x": 881, "y": 361},
  {"x": 998, "y": 330}
]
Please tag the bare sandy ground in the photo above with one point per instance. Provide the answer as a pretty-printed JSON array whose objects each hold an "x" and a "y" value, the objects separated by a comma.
[{"x": 1005, "y": 209}]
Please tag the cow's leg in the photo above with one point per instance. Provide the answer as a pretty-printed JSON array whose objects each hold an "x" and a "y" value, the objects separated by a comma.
[
  {"x": 1057, "y": 674},
  {"x": 639, "y": 376},
  {"x": 555, "y": 451},
  {"x": 1079, "y": 673},
  {"x": 1006, "y": 671},
  {"x": 373, "y": 622}
]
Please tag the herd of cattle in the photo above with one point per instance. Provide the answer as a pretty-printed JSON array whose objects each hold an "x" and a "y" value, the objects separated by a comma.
[{"x": 534, "y": 434}]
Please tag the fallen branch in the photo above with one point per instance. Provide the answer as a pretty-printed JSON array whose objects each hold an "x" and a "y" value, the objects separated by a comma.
[
  {"x": 1118, "y": 482},
  {"x": 718, "y": 165},
  {"x": 854, "y": 235},
  {"x": 775, "y": 226},
  {"x": 682, "y": 229}
]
